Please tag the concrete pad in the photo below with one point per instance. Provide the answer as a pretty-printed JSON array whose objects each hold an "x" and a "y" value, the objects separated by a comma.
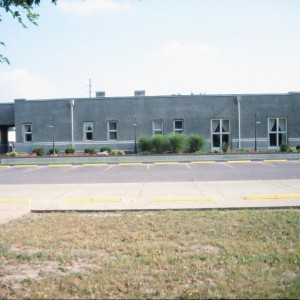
[{"x": 143, "y": 196}]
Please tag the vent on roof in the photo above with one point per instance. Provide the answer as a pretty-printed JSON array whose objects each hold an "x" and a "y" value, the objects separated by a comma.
[
  {"x": 139, "y": 93},
  {"x": 100, "y": 94}
]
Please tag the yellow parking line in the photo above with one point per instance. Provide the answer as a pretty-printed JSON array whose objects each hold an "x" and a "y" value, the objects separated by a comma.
[
  {"x": 130, "y": 164},
  {"x": 166, "y": 163},
  {"x": 274, "y": 196},
  {"x": 13, "y": 201},
  {"x": 4, "y": 167},
  {"x": 60, "y": 165},
  {"x": 25, "y": 166},
  {"x": 94, "y": 165},
  {"x": 238, "y": 161},
  {"x": 171, "y": 199},
  {"x": 274, "y": 160},
  {"x": 77, "y": 200},
  {"x": 203, "y": 162}
]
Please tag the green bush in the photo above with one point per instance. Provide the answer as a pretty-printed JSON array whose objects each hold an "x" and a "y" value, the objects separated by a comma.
[
  {"x": 145, "y": 143},
  {"x": 146, "y": 152},
  {"x": 298, "y": 147},
  {"x": 177, "y": 142},
  {"x": 105, "y": 149},
  {"x": 12, "y": 154},
  {"x": 117, "y": 152},
  {"x": 195, "y": 143},
  {"x": 55, "y": 150},
  {"x": 284, "y": 147},
  {"x": 90, "y": 150},
  {"x": 70, "y": 150},
  {"x": 225, "y": 147},
  {"x": 39, "y": 151},
  {"x": 159, "y": 143}
]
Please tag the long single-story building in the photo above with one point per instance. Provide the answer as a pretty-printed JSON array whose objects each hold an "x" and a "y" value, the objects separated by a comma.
[{"x": 264, "y": 121}]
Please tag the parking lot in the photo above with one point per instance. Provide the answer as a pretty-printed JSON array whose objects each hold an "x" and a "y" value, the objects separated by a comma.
[
  {"x": 139, "y": 186},
  {"x": 156, "y": 172}
]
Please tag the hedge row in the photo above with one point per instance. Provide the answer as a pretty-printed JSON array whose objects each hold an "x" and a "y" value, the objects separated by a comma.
[{"x": 174, "y": 143}]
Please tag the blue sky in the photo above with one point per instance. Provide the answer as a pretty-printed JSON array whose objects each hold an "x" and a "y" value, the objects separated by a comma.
[{"x": 162, "y": 46}]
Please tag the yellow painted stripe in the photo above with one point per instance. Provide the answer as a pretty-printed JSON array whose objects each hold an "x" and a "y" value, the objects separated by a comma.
[
  {"x": 94, "y": 165},
  {"x": 60, "y": 165},
  {"x": 13, "y": 201},
  {"x": 130, "y": 164},
  {"x": 26, "y": 166},
  {"x": 166, "y": 163},
  {"x": 238, "y": 161},
  {"x": 274, "y": 160},
  {"x": 203, "y": 162},
  {"x": 170, "y": 199},
  {"x": 3, "y": 167},
  {"x": 93, "y": 200},
  {"x": 275, "y": 196}
]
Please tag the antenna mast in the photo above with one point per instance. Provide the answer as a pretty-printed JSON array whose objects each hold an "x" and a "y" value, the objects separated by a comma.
[{"x": 90, "y": 88}]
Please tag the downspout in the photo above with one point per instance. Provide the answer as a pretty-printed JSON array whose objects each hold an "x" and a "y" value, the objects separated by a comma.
[
  {"x": 238, "y": 99},
  {"x": 72, "y": 121}
]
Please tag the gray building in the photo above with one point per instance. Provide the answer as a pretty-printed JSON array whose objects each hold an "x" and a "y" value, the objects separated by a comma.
[{"x": 268, "y": 120}]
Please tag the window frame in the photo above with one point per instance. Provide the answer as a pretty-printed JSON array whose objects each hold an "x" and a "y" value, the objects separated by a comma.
[
  {"x": 27, "y": 133},
  {"x": 277, "y": 133},
  {"x": 220, "y": 133},
  {"x": 112, "y": 131},
  {"x": 159, "y": 130},
  {"x": 181, "y": 130},
  {"x": 86, "y": 131}
]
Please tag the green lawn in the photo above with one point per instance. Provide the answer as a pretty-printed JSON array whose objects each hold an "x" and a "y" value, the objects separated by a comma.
[{"x": 165, "y": 254}]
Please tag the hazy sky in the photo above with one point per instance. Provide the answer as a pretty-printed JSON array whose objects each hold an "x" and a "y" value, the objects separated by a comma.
[{"x": 161, "y": 46}]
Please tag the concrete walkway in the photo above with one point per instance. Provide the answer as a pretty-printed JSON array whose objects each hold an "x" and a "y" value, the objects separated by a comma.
[{"x": 17, "y": 200}]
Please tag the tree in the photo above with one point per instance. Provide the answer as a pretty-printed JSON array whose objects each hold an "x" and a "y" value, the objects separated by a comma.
[{"x": 20, "y": 10}]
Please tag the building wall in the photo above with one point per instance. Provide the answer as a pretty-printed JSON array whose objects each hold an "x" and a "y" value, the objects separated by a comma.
[{"x": 197, "y": 111}]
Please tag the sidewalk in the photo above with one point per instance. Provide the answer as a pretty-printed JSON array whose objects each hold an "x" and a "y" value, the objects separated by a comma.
[{"x": 22, "y": 199}]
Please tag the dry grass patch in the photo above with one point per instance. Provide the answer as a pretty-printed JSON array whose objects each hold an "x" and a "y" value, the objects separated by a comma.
[{"x": 167, "y": 254}]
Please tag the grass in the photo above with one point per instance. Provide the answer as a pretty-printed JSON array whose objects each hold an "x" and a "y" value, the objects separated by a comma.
[{"x": 165, "y": 254}]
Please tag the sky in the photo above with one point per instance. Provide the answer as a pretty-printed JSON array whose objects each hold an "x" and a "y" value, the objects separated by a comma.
[{"x": 164, "y": 47}]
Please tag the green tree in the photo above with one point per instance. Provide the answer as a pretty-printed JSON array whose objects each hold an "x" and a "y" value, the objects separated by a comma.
[{"x": 20, "y": 10}]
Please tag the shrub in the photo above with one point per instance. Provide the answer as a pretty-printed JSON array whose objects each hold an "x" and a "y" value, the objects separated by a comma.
[
  {"x": 225, "y": 147},
  {"x": 284, "y": 147},
  {"x": 177, "y": 142},
  {"x": 70, "y": 150},
  {"x": 159, "y": 143},
  {"x": 90, "y": 150},
  {"x": 195, "y": 143},
  {"x": 12, "y": 154},
  {"x": 39, "y": 151},
  {"x": 145, "y": 143},
  {"x": 117, "y": 152},
  {"x": 55, "y": 150},
  {"x": 146, "y": 152},
  {"x": 298, "y": 147},
  {"x": 105, "y": 149}
]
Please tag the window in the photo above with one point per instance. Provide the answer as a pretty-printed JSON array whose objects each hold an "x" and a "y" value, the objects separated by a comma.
[
  {"x": 112, "y": 130},
  {"x": 220, "y": 132},
  {"x": 157, "y": 126},
  {"x": 178, "y": 126},
  {"x": 277, "y": 128},
  {"x": 27, "y": 128},
  {"x": 88, "y": 131}
]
